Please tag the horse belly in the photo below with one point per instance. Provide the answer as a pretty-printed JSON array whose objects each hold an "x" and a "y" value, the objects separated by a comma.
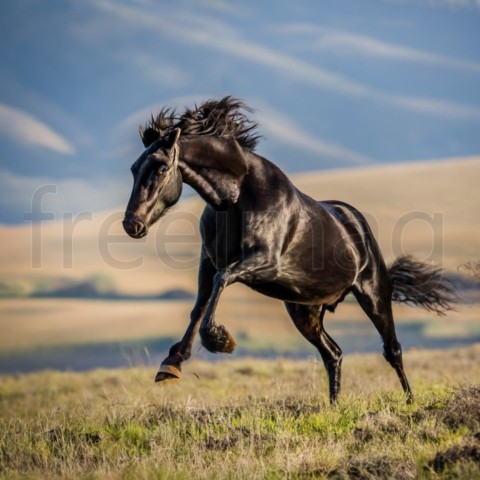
[
  {"x": 307, "y": 289},
  {"x": 316, "y": 272},
  {"x": 310, "y": 297}
]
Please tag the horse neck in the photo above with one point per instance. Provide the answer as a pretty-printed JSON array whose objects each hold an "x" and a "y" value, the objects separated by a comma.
[{"x": 215, "y": 187}]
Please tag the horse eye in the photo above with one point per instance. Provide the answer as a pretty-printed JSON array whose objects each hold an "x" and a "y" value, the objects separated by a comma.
[{"x": 162, "y": 168}]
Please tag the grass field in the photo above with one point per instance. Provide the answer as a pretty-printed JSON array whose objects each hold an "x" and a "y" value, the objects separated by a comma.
[
  {"x": 246, "y": 419},
  {"x": 242, "y": 418}
]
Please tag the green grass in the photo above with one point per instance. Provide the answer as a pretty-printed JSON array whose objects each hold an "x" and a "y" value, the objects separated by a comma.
[{"x": 246, "y": 419}]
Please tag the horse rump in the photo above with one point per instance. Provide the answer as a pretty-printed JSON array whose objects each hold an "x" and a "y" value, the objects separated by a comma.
[{"x": 421, "y": 285}]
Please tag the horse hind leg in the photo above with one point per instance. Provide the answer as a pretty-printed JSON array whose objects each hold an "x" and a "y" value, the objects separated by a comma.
[
  {"x": 375, "y": 300},
  {"x": 309, "y": 322}
]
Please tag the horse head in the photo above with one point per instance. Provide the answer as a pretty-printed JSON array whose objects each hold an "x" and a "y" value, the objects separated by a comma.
[{"x": 157, "y": 183}]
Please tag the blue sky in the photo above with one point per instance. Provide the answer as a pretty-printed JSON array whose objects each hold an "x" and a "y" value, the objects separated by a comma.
[{"x": 334, "y": 85}]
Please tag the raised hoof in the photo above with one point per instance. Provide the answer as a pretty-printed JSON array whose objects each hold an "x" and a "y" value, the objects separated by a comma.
[
  {"x": 167, "y": 372},
  {"x": 218, "y": 340}
]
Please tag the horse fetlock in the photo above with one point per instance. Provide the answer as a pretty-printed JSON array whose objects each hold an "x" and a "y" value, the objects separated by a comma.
[
  {"x": 393, "y": 355},
  {"x": 174, "y": 349},
  {"x": 177, "y": 355},
  {"x": 187, "y": 353},
  {"x": 334, "y": 396},
  {"x": 217, "y": 339}
]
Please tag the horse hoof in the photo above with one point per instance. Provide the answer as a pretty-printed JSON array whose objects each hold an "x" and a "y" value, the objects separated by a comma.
[
  {"x": 218, "y": 340},
  {"x": 167, "y": 372}
]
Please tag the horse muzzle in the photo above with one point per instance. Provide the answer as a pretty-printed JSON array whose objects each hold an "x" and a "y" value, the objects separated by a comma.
[{"x": 134, "y": 226}]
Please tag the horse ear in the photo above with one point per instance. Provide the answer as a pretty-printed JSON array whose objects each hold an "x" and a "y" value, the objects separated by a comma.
[
  {"x": 217, "y": 153},
  {"x": 148, "y": 136},
  {"x": 173, "y": 137}
]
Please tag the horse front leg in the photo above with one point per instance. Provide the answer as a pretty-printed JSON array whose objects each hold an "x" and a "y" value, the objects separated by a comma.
[
  {"x": 171, "y": 367},
  {"x": 215, "y": 337}
]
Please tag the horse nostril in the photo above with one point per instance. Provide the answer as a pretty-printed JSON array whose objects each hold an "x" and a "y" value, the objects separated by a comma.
[{"x": 135, "y": 228}]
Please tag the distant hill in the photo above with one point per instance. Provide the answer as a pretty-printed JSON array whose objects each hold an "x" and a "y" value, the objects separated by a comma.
[
  {"x": 429, "y": 209},
  {"x": 89, "y": 290}
]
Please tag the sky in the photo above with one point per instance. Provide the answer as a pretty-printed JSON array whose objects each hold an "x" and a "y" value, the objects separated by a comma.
[{"x": 333, "y": 85}]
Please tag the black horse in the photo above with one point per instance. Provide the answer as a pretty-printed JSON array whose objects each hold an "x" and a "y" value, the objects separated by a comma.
[{"x": 260, "y": 230}]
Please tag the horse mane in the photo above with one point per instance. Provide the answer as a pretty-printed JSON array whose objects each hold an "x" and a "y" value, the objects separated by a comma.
[
  {"x": 163, "y": 123},
  {"x": 227, "y": 117}
]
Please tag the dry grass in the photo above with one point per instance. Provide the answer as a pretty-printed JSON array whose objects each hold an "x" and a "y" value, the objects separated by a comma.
[{"x": 246, "y": 419}]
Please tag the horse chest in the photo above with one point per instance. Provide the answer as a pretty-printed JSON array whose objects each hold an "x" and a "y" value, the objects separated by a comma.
[{"x": 222, "y": 239}]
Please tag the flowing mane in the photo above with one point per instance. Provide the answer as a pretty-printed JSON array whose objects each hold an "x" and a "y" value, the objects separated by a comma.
[
  {"x": 228, "y": 117},
  {"x": 163, "y": 123},
  {"x": 221, "y": 118}
]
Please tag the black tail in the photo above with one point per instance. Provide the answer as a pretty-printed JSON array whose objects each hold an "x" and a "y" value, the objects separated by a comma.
[{"x": 419, "y": 284}]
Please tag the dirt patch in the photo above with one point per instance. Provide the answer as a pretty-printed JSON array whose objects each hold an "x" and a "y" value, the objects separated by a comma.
[
  {"x": 222, "y": 444},
  {"x": 468, "y": 451},
  {"x": 464, "y": 409},
  {"x": 379, "y": 424},
  {"x": 376, "y": 468},
  {"x": 295, "y": 408}
]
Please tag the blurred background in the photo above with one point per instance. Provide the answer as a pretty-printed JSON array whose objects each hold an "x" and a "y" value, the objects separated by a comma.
[{"x": 376, "y": 103}]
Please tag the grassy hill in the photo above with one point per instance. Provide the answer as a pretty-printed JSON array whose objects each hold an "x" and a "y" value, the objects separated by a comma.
[{"x": 246, "y": 419}]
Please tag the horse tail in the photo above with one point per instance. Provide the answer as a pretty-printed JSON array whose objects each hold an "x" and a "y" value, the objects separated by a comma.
[{"x": 421, "y": 285}]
